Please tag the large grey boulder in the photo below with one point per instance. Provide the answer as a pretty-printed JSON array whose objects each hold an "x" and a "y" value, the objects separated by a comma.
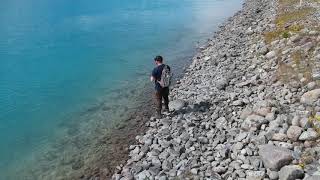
[
  {"x": 309, "y": 135},
  {"x": 291, "y": 172},
  {"x": 275, "y": 157},
  {"x": 310, "y": 97},
  {"x": 294, "y": 132},
  {"x": 177, "y": 104}
]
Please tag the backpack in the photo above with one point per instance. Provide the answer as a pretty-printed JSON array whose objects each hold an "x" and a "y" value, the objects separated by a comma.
[{"x": 166, "y": 77}]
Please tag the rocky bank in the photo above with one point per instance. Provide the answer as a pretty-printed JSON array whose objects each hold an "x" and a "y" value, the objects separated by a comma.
[{"x": 248, "y": 106}]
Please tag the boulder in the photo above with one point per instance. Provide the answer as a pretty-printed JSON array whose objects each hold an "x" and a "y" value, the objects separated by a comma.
[
  {"x": 274, "y": 157},
  {"x": 291, "y": 172},
  {"x": 294, "y": 132},
  {"x": 309, "y": 135},
  {"x": 310, "y": 97},
  {"x": 177, "y": 104}
]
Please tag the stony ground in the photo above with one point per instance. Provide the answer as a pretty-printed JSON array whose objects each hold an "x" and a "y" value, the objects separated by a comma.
[{"x": 248, "y": 106}]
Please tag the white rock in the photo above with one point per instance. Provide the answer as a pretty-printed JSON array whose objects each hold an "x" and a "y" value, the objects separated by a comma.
[
  {"x": 271, "y": 54},
  {"x": 309, "y": 135}
]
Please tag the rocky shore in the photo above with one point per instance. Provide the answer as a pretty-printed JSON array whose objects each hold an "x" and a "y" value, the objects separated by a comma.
[{"x": 248, "y": 106}]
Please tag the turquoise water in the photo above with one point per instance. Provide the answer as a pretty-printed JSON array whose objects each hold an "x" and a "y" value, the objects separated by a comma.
[{"x": 61, "y": 58}]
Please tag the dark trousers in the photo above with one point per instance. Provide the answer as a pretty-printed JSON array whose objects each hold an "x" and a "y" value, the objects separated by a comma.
[{"x": 162, "y": 94}]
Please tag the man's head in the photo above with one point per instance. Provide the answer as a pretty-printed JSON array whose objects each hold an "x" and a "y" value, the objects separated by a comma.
[{"x": 158, "y": 60}]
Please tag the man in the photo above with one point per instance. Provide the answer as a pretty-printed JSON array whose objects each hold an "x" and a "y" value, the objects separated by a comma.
[{"x": 161, "y": 76}]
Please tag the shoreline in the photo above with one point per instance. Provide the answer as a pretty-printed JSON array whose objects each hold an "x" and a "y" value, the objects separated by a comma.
[
  {"x": 114, "y": 143},
  {"x": 236, "y": 116}
]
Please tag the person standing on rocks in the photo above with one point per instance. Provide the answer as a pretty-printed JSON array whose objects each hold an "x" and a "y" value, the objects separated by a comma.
[{"x": 161, "y": 76}]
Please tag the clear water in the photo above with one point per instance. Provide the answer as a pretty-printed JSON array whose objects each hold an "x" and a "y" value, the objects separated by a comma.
[{"x": 61, "y": 58}]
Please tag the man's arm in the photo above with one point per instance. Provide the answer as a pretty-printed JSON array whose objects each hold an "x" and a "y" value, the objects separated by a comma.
[
  {"x": 153, "y": 75},
  {"x": 152, "y": 78}
]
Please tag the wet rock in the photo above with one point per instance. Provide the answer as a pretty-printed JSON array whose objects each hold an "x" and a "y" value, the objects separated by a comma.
[
  {"x": 291, "y": 172},
  {"x": 274, "y": 157}
]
